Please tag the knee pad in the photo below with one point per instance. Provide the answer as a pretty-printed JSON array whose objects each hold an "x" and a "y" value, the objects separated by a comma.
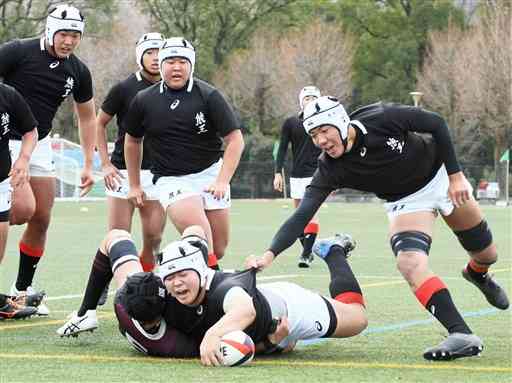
[
  {"x": 475, "y": 239},
  {"x": 121, "y": 252},
  {"x": 410, "y": 241}
]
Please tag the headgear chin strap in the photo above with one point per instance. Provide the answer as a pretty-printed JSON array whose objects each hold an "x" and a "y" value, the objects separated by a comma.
[
  {"x": 309, "y": 90},
  {"x": 147, "y": 41},
  {"x": 327, "y": 110},
  {"x": 63, "y": 18},
  {"x": 178, "y": 47}
]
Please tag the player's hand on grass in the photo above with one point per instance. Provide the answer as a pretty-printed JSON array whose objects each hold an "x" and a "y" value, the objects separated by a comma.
[
  {"x": 218, "y": 189},
  {"x": 112, "y": 176},
  {"x": 86, "y": 181},
  {"x": 136, "y": 196},
  {"x": 459, "y": 190},
  {"x": 19, "y": 173},
  {"x": 282, "y": 331},
  {"x": 210, "y": 350},
  {"x": 278, "y": 182},
  {"x": 260, "y": 263}
]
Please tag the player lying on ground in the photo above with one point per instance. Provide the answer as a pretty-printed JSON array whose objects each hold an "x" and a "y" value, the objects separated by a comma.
[
  {"x": 208, "y": 304},
  {"x": 377, "y": 149},
  {"x": 141, "y": 303}
]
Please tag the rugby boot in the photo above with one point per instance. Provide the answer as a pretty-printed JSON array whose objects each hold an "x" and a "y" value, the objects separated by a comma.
[
  {"x": 13, "y": 310},
  {"x": 305, "y": 261},
  {"x": 322, "y": 247},
  {"x": 76, "y": 324},
  {"x": 492, "y": 291},
  {"x": 456, "y": 345},
  {"x": 31, "y": 298}
]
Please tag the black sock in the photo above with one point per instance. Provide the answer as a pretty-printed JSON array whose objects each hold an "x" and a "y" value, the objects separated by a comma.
[
  {"x": 475, "y": 275},
  {"x": 99, "y": 278},
  {"x": 26, "y": 270},
  {"x": 3, "y": 300},
  {"x": 342, "y": 277},
  {"x": 307, "y": 243},
  {"x": 443, "y": 309}
]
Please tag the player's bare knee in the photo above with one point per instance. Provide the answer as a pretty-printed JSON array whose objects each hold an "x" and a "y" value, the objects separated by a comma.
[
  {"x": 411, "y": 249},
  {"x": 21, "y": 215},
  {"x": 194, "y": 230},
  {"x": 113, "y": 236}
]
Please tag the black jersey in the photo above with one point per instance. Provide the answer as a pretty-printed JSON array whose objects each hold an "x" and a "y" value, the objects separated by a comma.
[
  {"x": 15, "y": 116},
  {"x": 305, "y": 153},
  {"x": 117, "y": 103},
  {"x": 388, "y": 158},
  {"x": 195, "y": 321},
  {"x": 42, "y": 79},
  {"x": 183, "y": 129},
  {"x": 167, "y": 341}
]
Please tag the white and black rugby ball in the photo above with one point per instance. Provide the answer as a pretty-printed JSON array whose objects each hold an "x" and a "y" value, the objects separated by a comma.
[{"x": 236, "y": 348}]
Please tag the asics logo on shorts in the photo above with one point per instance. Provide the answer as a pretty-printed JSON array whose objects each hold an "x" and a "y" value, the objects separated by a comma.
[{"x": 318, "y": 326}]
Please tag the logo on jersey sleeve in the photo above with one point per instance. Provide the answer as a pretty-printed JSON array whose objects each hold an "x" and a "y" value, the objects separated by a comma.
[
  {"x": 68, "y": 87},
  {"x": 4, "y": 123},
  {"x": 201, "y": 123},
  {"x": 395, "y": 145}
]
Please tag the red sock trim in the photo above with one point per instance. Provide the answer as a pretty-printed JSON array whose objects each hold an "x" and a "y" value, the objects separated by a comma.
[
  {"x": 35, "y": 252},
  {"x": 429, "y": 288},
  {"x": 212, "y": 260},
  {"x": 147, "y": 267},
  {"x": 311, "y": 228},
  {"x": 482, "y": 269},
  {"x": 350, "y": 297}
]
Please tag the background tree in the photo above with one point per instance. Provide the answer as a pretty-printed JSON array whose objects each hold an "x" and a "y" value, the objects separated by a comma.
[
  {"x": 264, "y": 80},
  {"x": 26, "y": 18},
  {"x": 215, "y": 27},
  {"x": 392, "y": 39}
]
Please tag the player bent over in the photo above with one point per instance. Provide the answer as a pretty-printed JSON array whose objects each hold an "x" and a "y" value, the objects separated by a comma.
[
  {"x": 209, "y": 304},
  {"x": 139, "y": 304}
]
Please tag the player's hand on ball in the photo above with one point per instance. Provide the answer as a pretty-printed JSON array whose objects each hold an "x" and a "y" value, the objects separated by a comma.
[{"x": 210, "y": 350}]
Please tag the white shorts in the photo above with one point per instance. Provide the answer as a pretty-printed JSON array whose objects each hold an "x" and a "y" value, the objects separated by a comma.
[
  {"x": 173, "y": 189},
  {"x": 432, "y": 197},
  {"x": 5, "y": 195},
  {"x": 298, "y": 187},
  {"x": 146, "y": 181},
  {"x": 41, "y": 162},
  {"x": 308, "y": 314}
]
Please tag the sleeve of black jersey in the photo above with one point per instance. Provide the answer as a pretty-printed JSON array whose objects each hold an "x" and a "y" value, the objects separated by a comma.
[
  {"x": 113, "y": 101},
  {"x": 24, "y": 119},
  {"x": 284, "y": 141},
  {"x": 221, "y": 115},
  {"x": 423, "y": 121},
  {"x": 10, "y": 55},
  {"x": 84, "y": 92},
  {"x": 134, "y": 118},
  {"x": 316, "y": 193}
]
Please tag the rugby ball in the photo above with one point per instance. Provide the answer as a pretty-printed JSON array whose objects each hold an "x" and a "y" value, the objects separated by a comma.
[{"x": 236, "y": 348}]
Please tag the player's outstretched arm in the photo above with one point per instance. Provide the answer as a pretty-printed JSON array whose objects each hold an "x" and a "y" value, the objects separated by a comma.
[{"x": 239, "y": 314}]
